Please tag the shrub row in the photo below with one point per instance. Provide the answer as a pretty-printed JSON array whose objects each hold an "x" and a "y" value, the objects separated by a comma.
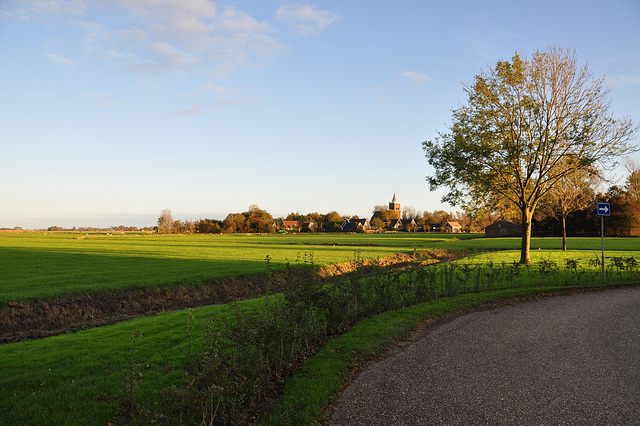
[{"x": 247, "y": 354}]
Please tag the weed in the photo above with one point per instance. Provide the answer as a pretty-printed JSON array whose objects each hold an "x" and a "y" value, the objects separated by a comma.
[{"x": 129, "y": 410}]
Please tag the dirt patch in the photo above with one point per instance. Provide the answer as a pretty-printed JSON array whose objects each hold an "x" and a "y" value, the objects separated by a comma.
[
  {"x": 43, "y": 318},
  {"x": 38, "y": 319}
]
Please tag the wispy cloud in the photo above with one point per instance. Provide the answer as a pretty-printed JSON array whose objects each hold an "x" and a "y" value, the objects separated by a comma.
[
  {"x": 99, "y": 97},
  {"x": 163, "y": 35},
  {"x": 27, "y": 8},
  {"x": 376, "y": 95},
  {"x": 415, "y": 77},
  {"x": 622, "y": 80},
  {"x": 60, "y": 59},
  {"x": 215, "y": 88},
  {"x": 196, "y": 109},
  {"x": 305, "y": 19}
]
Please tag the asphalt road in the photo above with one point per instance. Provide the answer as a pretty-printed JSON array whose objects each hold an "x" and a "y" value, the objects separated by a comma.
[{"x": 561, "y": 360}]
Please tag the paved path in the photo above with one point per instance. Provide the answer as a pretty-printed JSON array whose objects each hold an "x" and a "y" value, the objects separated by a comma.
[{"x": 562, "y": 360}]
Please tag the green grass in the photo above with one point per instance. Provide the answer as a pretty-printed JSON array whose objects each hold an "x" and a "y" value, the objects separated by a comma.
[
  {"x": 315, "y": 388},
  {"x": 36, "y": 265},
  {"x": 56, "y": 380}
]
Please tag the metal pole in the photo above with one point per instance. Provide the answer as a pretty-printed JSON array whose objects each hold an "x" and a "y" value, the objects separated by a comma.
[{"x": 602, "y": 235}]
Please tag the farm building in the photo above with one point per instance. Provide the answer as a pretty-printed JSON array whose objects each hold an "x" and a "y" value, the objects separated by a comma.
[
  {"x": 451, "y": 226},
  {"x": 297, "y": 226},
  {"x": 291, "y": 225},
  {"x": 503, "y": 228}
]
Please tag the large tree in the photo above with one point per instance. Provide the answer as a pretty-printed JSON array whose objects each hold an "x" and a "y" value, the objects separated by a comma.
[
  {"x": 165, "y": 221},
  {"x": 527, "y": 124}
]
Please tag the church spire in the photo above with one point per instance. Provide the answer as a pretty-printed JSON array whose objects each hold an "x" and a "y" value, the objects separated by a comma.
[{"x": 394, "y": 208}]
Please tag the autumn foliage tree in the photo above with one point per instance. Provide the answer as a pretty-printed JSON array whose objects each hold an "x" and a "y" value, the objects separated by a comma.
[
  {"x": 165, "y": 222},
  {"x": 527, "y": 124}
]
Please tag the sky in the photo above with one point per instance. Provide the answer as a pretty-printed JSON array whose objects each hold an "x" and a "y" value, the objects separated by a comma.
[{"x": 112, "y": 110}]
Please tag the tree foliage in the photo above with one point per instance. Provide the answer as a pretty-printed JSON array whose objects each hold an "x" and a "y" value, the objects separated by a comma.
[
  {"x": 165, "y": 222},
  {"x": 527, "y": 124}
]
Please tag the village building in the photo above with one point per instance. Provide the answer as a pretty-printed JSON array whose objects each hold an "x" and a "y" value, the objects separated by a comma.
[
  {"x": 355, "y": 225},
  {"x": 392, "y": 218},
  {"x": 451, "y": 226},
  {"x": 402, "y": 225},
  {"x": 297, "y": 226},
  {"x": 395, "y": 212},
  {"x": 310, "y": 226},
  {"x": 503, "y": 228},
  {"x": 291, "y": 225}
]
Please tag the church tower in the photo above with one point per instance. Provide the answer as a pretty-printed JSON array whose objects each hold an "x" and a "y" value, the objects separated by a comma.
[{"x": 394, "y": 208}]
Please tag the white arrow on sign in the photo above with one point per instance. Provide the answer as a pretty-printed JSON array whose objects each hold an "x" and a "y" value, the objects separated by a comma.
[{"x": 604, "y": 209}]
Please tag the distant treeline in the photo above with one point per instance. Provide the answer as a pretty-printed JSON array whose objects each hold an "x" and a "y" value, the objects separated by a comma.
[{"x": 623, "y": 221}]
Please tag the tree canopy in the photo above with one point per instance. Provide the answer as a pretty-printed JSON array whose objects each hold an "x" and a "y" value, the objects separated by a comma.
[{"x": 527, "y": 124}]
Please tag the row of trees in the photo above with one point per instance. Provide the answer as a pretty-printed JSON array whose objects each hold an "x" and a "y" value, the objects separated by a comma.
[
  {"x": 257, "y": 220},
  {"x": 570, "y": 210},
  {"x": 254, "y": 220}
]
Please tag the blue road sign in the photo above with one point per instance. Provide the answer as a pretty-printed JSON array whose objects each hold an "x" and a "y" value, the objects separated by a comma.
[{"x": 603, "y": 209}]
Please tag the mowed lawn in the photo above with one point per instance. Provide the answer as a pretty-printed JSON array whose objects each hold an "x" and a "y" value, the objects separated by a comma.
[
  {"x": 62, "y": 379},
  {"x": 37, "y": 265}
]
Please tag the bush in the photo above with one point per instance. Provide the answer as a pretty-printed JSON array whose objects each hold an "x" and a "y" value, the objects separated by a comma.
[{"x": 247, "y": 354}]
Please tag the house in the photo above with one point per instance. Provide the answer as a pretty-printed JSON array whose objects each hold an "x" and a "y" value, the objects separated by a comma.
[
  {"x": 291, "y": 225},
  {"x": 451, "y": 226},
  {"x": 401, "y": 225},
  {"x": 311, "y": 226},
  {"x": 503, "y": 228},
  {"x": 355, "y": 225}
]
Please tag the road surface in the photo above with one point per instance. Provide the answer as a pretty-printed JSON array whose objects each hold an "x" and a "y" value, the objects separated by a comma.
[{"x": 571, "y": 359}]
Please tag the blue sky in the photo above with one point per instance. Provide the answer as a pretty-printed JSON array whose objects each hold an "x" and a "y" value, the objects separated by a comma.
[{"x": 112, "y": 110}]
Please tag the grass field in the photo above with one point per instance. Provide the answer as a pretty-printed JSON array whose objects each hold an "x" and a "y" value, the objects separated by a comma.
[
  {"x": 45, "y": 265},
  {"x": 38, "y": 265},
  {"x": 59, "y": 380}
]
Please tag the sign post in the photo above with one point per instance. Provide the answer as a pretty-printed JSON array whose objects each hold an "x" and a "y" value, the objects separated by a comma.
[{"x": 603, "y": 210}]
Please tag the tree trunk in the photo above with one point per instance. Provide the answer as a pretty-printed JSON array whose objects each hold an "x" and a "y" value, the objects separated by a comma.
[
  {"x": 564, "y": 232},
  {"x": 525, "y": 253}
]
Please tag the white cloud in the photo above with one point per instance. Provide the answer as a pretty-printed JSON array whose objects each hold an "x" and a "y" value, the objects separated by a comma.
[
  {"x": 219, "y": 90},
  {"x": 60, "y": 59},
  {"x": 181, "y": 36},
  {"x": 416, "y": 77},
  {"x": 98, "y": 97},
  {"x": 305, "y": 19},
  {"x": 60, "y": 7},
  {"x": 229, "y": 101},
  {"x": 622, "y": 80},
  {"x": 162, "y": 35},
  {"x": 27, "y": 9},
  {"x": 196, "y": 109}
]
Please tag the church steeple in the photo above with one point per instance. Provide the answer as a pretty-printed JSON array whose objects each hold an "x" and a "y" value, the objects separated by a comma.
[{"x": 394, "y": 208}]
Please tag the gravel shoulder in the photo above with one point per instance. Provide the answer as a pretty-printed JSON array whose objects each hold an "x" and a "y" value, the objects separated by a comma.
[{"x": 562, "y": 360}]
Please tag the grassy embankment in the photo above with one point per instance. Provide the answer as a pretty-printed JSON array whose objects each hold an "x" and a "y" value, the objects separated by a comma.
[{"x": 55, "y": 380}]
